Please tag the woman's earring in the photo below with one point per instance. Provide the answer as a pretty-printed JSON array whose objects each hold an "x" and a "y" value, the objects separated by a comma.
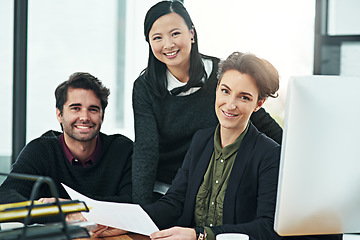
[{"x": 192, "y": 40}]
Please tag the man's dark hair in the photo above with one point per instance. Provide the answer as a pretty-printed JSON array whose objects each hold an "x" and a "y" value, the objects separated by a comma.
[{"x": 84, "y": 81}]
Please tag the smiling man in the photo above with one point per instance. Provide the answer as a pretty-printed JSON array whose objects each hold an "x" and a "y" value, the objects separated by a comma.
[{"x": 93, "y": 163}]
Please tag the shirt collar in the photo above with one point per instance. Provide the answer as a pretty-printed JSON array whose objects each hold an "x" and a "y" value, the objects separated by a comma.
[
  {"x": 73, "y": 161},
  {"x": 173, "y": 82},
  {"x": 230, "y": 149}
]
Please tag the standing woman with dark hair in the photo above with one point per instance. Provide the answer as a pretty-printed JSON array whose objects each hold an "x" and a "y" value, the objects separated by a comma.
[{"x": 172, "y": 99}]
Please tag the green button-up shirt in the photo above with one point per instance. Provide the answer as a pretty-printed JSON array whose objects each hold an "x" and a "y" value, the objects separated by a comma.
[{"x": 211, "y": 194}]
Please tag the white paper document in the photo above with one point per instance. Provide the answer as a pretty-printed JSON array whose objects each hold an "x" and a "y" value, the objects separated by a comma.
[{"x": 126, "y": 216}]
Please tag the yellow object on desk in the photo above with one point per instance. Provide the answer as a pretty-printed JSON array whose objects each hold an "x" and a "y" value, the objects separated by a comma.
[{"x": 19, "y": 210}]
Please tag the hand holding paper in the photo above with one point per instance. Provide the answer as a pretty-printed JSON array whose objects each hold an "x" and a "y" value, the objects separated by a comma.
[
  {"x": 106, "y": 231},
  {"x": 126, "y": 216}
]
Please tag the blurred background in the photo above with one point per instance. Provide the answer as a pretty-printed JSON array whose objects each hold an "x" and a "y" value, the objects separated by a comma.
[{"x": 105, "y": 38}]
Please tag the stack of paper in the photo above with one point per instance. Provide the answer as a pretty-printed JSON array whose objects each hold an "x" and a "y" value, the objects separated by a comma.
[{"x": 125, "y": 216}]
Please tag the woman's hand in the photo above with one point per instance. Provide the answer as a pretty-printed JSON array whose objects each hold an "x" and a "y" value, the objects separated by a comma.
[
  {"x": 106, "y": 231},
  {"x": 175, "y": 233}
]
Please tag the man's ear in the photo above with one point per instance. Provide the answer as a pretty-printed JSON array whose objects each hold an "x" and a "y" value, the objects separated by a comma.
[
  {"x": 58, "y": 115},
  {"x": 259, "y": 104}
]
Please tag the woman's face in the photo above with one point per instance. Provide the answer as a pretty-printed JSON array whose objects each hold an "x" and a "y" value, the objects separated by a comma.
[
  {"x": 170, "y": 41},
  {"x": 236, "y": 99}
]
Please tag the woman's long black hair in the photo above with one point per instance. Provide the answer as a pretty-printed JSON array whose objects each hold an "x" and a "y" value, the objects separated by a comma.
[{"x": 156, "y": 70}]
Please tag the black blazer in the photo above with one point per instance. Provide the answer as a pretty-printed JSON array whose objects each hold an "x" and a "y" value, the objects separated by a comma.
[{"x": 250, "y": 198}]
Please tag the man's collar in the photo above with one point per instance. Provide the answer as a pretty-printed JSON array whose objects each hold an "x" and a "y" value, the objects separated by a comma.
[{"x": 73, "y": 161}]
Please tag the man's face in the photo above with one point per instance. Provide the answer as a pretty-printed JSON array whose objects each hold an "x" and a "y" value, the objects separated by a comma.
[{"x": 82, "y": 115}]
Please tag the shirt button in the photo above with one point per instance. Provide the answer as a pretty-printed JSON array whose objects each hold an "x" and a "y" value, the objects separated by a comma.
[
  {"x": 212, "y": 203},
  {"x": 217, "y": 181},
  {"x": 75, "y": 160},
  {"x": 211, "y": 225},
  {"x": 222, "y": 160}
]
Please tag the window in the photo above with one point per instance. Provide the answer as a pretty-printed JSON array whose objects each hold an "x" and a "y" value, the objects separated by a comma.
[
  {"x": 66, "y": 37},
  {"x": 280, "y": 31},
  {"x": 6, "y": 67},
  {"x": 104, "y": 38},
  {"x": 343, "y": 16},
  {"x": 337, "y": 38}
]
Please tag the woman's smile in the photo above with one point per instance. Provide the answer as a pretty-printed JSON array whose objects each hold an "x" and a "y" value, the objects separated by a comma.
[{"x": 172, "y": 54}]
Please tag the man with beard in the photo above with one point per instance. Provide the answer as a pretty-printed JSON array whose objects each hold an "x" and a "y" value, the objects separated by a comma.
[{"x": 93, "y": 163}]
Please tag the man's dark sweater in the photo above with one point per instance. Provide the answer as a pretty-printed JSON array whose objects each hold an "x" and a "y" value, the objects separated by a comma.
[{"x": 109, "y": 179}]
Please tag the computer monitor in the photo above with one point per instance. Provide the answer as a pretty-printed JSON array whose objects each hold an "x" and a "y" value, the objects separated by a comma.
[{"x": 319, "y": 177}]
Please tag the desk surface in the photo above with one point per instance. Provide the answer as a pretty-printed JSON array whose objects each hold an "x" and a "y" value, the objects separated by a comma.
[{"x": 129, "y": 236}]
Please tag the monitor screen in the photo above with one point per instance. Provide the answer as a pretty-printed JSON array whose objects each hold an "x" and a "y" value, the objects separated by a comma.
[{"x": 319, "y": 177}]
